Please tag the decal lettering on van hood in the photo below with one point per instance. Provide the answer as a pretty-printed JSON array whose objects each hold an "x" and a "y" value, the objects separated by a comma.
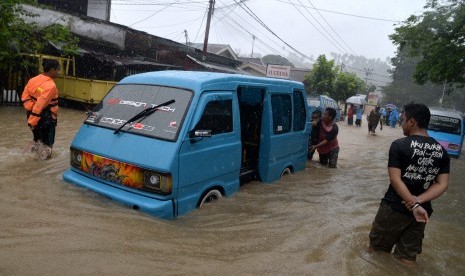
[
  {"x": 118, "y": 122},
  {"x": 113, "y": 101}
]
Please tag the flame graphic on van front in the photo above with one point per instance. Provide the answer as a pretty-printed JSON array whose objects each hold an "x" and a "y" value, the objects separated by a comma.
[{"x": 112, "y": 170}]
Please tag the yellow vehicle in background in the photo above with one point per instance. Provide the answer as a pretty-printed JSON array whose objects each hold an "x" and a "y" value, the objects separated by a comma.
[
  {"x": 82, "y": 90},
  {"x": 72, "y": 88}
]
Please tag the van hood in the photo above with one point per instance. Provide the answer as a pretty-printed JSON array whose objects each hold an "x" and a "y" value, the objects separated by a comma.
[{"x": 126, "y": 147}]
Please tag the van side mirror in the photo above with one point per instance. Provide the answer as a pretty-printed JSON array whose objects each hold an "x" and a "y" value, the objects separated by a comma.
[
  {"x": 202, "y": 133},
  {"x": 199, "y": 133}
]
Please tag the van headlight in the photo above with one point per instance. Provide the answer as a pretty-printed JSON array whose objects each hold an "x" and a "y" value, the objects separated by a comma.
[
  {"x": 75, "y": 158},
  {"x": 453, "y": 147},
  {"x": 157, "y": 182}
]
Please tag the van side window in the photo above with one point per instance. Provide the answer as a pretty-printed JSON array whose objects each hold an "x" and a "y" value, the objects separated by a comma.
[
  {"x": 282, "y": 113},
  {"x": 299, "y": 111},
  {"x": 217, "y": 117}
]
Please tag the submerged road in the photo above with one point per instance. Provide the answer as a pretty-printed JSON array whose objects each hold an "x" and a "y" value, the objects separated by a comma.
[{"x": 315, "y": 222}]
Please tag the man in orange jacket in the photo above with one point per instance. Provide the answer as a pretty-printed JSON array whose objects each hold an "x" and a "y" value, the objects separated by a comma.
[{"x": 40, "y": 99}]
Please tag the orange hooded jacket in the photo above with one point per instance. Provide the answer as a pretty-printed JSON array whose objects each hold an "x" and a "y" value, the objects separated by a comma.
[{"x": 40, "y": 92}]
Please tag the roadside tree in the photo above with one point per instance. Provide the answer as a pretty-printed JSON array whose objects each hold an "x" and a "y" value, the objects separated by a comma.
[
  {"x": 320, "y": 80},
  {"x": 17, "y": 37},
  {"x": 347, "y": 85},
  {"x": 437, "y": 38}
]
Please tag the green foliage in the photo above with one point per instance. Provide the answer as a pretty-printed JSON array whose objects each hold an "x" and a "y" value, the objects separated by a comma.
[
  {"x": 371, "y": 88},
  {"x": 320, "y": 80},
  {"x": 325, "y": 79},
  {"x": 277, "y": 60},
  {"x": 347, "y": 85},
  {"x": 61, "y": 35},
  {"x": 437, "y": 38},
  {"x": 403, "y": 89},
  {"x": 18, "y": 37}
]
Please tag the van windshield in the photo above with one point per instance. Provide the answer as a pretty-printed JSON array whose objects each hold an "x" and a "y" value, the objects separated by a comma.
[
  {"x": 445, "y": 124},
  {"x": 126, "y": 100}
]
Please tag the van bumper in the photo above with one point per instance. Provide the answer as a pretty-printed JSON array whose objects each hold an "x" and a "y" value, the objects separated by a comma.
[{"x": 155, "y": 207}]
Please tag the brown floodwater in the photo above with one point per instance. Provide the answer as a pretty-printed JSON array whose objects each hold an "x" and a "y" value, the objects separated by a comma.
[{"x": 314, "y": 222}]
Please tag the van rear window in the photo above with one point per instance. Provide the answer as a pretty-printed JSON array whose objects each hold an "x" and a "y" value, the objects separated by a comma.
[
  {"x": 126, "y": 100},
  {"x": 313, "y": 101},
  {"x": 445, "y": 124}
]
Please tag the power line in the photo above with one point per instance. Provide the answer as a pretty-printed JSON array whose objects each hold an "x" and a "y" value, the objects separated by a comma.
[
  {"x": 348, "y": 14},
  {"x": 361, "y": 70},
  {"x": 230, "y": 18},
  {"x": 198, "y": 31},
  {"x": 256, "y": 18},
  {"x": 316, "y": 28},
  {"x": 227, "y": 15},
  {"x": 162, "y": 3},
  {"x": 343, "y": 41},
  {"x": 152, "y": 15},
  {"x": 270, "y": 48}
]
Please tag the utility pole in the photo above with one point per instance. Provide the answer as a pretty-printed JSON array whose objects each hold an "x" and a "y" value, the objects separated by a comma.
[
  {"x": 187, "y": 37},
  {"x": 368, "y": 72},
  {"x": 207, "y": 31},
  {"x": 253, "y": 43},
  {"x": 443, "y": 92}
]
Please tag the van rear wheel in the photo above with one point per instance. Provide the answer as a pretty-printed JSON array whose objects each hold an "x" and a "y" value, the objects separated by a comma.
[
  {"x": 209, "y": 197},
  {"x": 286, "y": 171}
]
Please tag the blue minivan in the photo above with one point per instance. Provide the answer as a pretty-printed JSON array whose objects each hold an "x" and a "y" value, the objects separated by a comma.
[
  {"x": 167, "y": 142},
  {"x": 321, "y": 102},
  {"x": 447, "y": 127}
]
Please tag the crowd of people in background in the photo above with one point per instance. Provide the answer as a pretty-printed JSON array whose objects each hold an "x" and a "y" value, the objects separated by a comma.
[
  {"x": 358, "y": 111},
  {"x": 323, "y": 138},
  {"x": 387, "y": 116},
  {"x": 391, "y": 117}
]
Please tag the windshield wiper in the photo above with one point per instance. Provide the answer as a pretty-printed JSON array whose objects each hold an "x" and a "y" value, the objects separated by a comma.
[{"x": 144, "y": 113}]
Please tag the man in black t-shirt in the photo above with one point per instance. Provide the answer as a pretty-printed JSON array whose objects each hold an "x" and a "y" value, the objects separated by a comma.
[
  {"x": 418, "y": 170},
  {"x": 315, "y": 134}
]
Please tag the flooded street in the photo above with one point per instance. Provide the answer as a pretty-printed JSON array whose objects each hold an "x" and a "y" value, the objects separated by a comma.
[{"x": 315, "y": 222}]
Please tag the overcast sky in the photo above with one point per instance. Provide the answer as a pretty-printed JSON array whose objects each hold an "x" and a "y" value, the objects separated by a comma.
[{"x": 309, "y": 27}]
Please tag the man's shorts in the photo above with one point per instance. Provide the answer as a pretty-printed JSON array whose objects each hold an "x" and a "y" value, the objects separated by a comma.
[
  {"x": 393, "y": 228},
  {"x": 330, "y": 158}
]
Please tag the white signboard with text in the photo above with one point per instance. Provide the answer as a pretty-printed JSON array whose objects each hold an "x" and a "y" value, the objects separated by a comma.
[
  {"x": 373, "y": 98},
  {"x": 278, "y": 71}
]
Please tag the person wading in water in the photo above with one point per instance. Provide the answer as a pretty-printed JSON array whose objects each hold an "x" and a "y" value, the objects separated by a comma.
[{"x": 40, "y": 99}]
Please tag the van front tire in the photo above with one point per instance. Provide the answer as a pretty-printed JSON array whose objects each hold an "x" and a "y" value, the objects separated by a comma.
[{"x": 209, "y": 197}]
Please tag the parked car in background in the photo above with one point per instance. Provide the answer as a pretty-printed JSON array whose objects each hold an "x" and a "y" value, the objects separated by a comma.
[{"x": 322, "y": 102}]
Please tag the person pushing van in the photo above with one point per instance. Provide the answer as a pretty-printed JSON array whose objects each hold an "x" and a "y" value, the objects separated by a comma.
[
  {"x": 328, "y": 146},
  {"x": 40, "y": 99},
  {"x": 314, "y": 134}
]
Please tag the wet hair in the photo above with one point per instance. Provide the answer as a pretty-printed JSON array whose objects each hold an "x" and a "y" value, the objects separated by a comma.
[
  {"x": 49, "y": 64},
  {"x": 419, "y": 112},
  {"x": 316, "y": 112},
  {"x": 331, "y": 112}
]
